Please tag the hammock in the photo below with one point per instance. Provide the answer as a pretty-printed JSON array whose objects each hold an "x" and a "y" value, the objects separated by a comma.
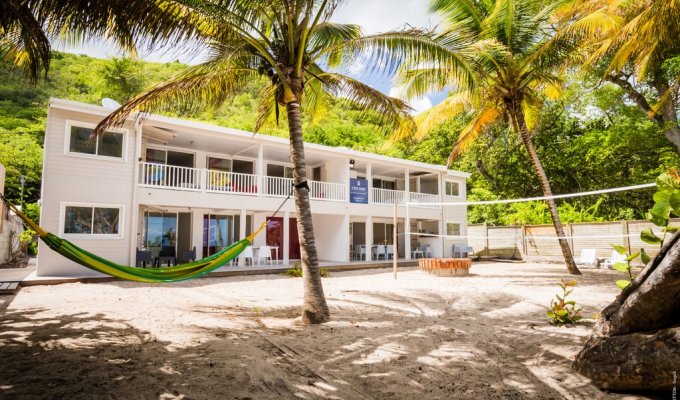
[{"x": 152, "y": 275}]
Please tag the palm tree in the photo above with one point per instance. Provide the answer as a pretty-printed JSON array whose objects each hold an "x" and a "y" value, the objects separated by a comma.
[
  {"x": 28, "y": 26},
  {"x": 286, "y": 46},
  {"x": 503, "y": 73},
  {"x": 628, "y": 43}
]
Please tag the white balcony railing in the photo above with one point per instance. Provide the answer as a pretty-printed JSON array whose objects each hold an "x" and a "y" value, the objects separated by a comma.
[
  {"x": 231, "y": 182},
  {"x": 387, "y": 196},
  {"x": 169, "y": 176},
  {"x": 424, "y": 198},
  {"x": 275, "y": 186},
  {"x": 327, "y": 191}
]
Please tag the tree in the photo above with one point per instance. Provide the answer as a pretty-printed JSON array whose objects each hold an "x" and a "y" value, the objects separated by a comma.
[
  {"x": 634, "y": 45},
  {"x": 28, "y": 26},
  {"x": 500, "y": 69},
  {"x": 286, "y": 46}
]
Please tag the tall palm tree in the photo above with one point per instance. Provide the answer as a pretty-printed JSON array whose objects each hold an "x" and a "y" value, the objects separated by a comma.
[
  {"x": 28, "y": 26},
  {"x": 628, "y": 42},
  {"x": 288, "y": 47},
  {"x": 504, "y": 72}
]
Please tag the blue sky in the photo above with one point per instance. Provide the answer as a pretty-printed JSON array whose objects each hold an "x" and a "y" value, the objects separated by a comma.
[{"x": 372, "y": 15}]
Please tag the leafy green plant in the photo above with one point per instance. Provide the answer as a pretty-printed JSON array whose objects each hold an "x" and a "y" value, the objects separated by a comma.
[
  {"x": 666, "y": 205},
  {"x": 626, "y": 267},
  {"x": 563, "y": 311},
  {"x": 296, "y": 271},
  {"x": 26, "y": 242}
]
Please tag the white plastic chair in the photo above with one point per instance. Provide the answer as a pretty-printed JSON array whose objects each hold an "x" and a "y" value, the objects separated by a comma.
[
  {"x": 248, "y": 253},
  {"x": 265, "y": 254},
  {"x": 360, "y": 252},
  {"x": 378, "y": 251},
  {"x": 389, "y": 251},
  {"x": 616, "y": 257},
  {"x": 415, "y": 252},
  {"x": 427, "y": 252},
  {"x": 587, "y": 257}
]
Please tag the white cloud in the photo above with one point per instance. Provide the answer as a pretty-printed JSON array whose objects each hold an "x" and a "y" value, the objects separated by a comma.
[
  {"x": 419, "y": 105},
  {"x": 384, "y": 15}
]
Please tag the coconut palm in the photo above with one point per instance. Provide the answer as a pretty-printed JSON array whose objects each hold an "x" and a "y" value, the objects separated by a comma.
[
  {"x": 289, "y": 48},
  {"x": 504, "y": 74},
  {"x": 628, "y": 43},
  {"x": 28, "y": 26}
]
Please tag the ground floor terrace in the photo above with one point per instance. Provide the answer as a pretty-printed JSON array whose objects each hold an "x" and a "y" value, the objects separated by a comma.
[{"x": 484, "y": 336}]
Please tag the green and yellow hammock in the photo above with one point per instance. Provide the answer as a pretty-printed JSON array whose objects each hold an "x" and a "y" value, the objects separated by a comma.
[{"x": 152, "y": 275}]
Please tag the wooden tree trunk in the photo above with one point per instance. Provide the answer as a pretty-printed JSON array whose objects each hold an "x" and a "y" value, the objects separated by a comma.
[
  {"x": 314, "y": 308},
  {"x": 635, "y": 343},
  {"x": 520, "y": 127}
]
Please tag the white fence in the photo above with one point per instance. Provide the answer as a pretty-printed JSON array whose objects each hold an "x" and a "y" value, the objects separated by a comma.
[
  {"x": 387, "y": 196},
  {"x": 231, "y": 182},
  {"x": 169, "y": 176}
]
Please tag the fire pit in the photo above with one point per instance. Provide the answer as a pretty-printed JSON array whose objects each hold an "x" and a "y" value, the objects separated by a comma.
[{"x": 445, "y": 266}]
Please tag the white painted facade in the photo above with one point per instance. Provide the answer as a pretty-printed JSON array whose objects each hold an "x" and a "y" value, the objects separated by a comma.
[{"x": 217, "y": 183}]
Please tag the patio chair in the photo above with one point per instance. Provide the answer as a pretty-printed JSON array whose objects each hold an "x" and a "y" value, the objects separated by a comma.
[
  {"x": 247, "y": 253},
  {"x": 265, "y": 254},
  {"x": 360, "y": 252},
  {"x": 378, "y": 251},
  {"x": 389, "y": 251},
  {"x": 427, "y": 251},
  {"x": 143, "y": 257},
  {"x": 188, "y": 256},
  {"x": 166, "y": 255},
  {"x": 615, "y": 258},
  {"x": 462, "y": 251},
  {"x": 587, "y": 257},
  {"x": 417, "y": 252}
]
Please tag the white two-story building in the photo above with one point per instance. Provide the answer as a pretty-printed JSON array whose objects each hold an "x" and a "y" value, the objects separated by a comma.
[{"x": 167, "y": 182}]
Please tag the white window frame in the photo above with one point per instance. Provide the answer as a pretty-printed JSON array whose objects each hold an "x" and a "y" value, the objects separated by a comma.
[
  {"x": 94, "y": 236},
  {"x": 460, "y": 228},
  {"x": 176, "y": 150},
  {"x": 87, "y": 125},
  {"x": 446, "y": 184}
]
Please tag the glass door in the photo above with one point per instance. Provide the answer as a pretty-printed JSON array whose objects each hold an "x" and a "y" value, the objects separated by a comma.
[
  {"x": 218, "y": 233},
  {"x": 160, "y": 232}
]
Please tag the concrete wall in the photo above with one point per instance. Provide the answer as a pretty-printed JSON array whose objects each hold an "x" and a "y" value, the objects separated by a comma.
[{"x": 332, "y": 233}]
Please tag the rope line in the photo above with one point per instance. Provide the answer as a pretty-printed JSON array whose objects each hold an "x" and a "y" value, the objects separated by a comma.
[
  {"x": 525, "y": 237},
  {"x": 557, "y": 196}
]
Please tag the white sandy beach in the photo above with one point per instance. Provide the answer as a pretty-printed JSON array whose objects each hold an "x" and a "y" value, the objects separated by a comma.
[{"x": 420, "y": 337}]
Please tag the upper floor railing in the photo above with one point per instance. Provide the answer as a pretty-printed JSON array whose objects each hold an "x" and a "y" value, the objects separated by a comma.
[{"x": 196, "y": 179}]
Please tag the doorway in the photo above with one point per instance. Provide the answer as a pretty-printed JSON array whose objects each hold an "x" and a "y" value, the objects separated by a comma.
[{"x": 275, "y": 236}]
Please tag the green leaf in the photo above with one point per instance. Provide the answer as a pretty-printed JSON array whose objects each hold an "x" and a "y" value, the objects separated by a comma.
[
  {"x": 623, "y": 283},
  {"x": 621, "y": 267},
  {"x": 633, "y": 256},
  {"x": 671, "y": 229},
  {"x": 550, "y": 314},
  {"x": 562, "y": 313},
  {"x": 648, "y": 236},
  {"x": 663, "y": 196},
  {"x": 661, "y": 210},
  {"x": 665, "y": 181},
  {"x": 658, "y": 221},
  {"x": 619, "y": 249},
  {"x": 674, "y": 202},
  {"x": 571, "y": 302},
  {"x": 644, "y": 257}
]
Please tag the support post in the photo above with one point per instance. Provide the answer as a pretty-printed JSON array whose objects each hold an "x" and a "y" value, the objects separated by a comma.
[
  {"x": 369, "y": 238},
  {"x": 407, "y": 238},
  {"x": 626, "y": 238},
  {"x": 286, "y": 238},
  {"x": 394, "y": 241},
  {"x": 242, "y": 234}
]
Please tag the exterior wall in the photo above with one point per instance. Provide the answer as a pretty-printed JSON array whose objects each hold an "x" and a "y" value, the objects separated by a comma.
[
  {"x": 69, "y": 178},
  {"x": 10, "y": 224},
  {"x": 332, "y": 237}
]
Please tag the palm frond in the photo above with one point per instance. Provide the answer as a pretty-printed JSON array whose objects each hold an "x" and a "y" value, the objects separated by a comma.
[{"x": 482, "y": 120}]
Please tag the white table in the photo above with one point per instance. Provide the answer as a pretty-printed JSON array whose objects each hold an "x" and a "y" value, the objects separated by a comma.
[{"x": 256, "y": 253}]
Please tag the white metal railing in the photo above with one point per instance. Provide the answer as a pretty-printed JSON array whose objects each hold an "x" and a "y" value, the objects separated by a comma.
[
  {"x": 275, "y": 186},
  {"x": 169, "y": 176},
  {"x": 231, "y": 182},
  {"x": 424, "y": 198},
  {"x": 327, "y": 191},
  {"x": 387, "y": 196}
]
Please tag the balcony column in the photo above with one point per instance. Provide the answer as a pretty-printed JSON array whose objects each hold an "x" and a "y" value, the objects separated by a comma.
[
  {"x": 285, "y": 250},
  {"x": 442, "y": 222},
  {"x": 134, "y": 219},
  {"x": 369, "y": 178},
  {"x": 407, "y": 220},
  {"x": 197, "y": 232},
  {"x": 260, "y": 169},
  {"x": 242, "y": 234},
  {"x": 369, "y": 238}
]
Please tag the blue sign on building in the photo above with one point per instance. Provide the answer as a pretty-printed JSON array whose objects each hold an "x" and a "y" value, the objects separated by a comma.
[{"x": 358, "y": 191}]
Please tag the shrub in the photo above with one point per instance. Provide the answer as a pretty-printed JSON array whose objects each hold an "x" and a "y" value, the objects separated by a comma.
[
  {"x": 564, "y": 311},
  {"x": 296, "y": 271}
]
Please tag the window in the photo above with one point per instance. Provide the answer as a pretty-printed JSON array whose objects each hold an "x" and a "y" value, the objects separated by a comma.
[
  {"x": 383, "y": 184},
  {"x": 279, "y": 171},
  {"x": 90, "y": 220},
  {"x": 219, "y": 164},
  {"x": 452, "y": 189},
  {"x": 452, "y": 229},
  {"x": 169, "y": 157},
  {"x": 108, "y": 144}
]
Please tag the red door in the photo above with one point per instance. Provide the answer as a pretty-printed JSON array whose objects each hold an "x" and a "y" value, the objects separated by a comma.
[{"x": 275, "y": 236}]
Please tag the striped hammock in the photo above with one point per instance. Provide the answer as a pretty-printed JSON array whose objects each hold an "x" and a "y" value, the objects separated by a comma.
[{"x": 152, "y": 275}]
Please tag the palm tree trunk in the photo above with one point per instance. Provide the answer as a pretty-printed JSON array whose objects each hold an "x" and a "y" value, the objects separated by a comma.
[
  {"x": 517, "y": 115},
  {"x": 314, "y": 307}
]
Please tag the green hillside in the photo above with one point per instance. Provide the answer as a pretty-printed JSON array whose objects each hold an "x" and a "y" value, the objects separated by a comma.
[{"x": 593, "y": 139}]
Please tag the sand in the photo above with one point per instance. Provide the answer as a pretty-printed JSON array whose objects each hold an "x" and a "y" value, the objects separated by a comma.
[{"x": 483, "y": 336}]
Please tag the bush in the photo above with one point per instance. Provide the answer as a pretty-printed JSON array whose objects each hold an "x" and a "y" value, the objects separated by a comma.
[
  {"x": 564, "y": 311},
  {"x": 296, "y": 271}
]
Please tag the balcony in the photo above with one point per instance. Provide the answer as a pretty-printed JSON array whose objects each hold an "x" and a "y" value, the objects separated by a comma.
[{"x": 212, "y": 181}]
